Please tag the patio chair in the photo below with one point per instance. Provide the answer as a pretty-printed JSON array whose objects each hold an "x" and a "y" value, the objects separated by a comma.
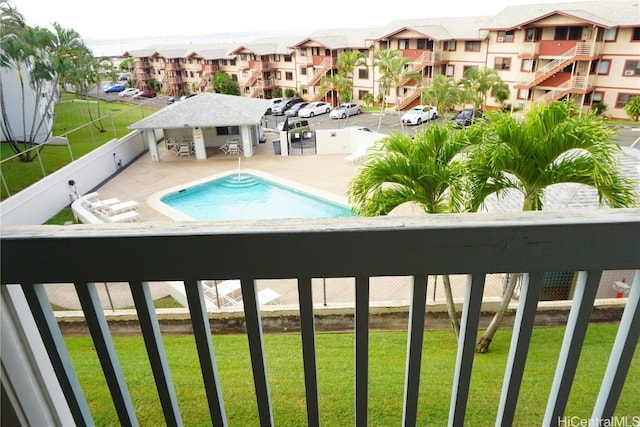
[
  {"x": 184, "y": 150},
  {"x": 118, "y": 208},
  {"x": 130, "y": 216},
  {"x": 233, "y": 148}
]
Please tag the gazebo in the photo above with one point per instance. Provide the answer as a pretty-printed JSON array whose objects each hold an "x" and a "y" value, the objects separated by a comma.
[{"x": 208, "y": 120}]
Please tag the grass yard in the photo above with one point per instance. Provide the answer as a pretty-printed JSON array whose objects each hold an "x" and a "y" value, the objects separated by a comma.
[
  {"x": 335, "y": 354},
  {"x": 72, "y": 116}
]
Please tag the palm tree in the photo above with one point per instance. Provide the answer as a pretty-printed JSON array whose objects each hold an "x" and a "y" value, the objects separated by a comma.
[
  {"x": 426, "y": 171},
  {"x": 67, "y": 48},
  {"x": 443, "y": 93},
  {"x": 347, "y": 62},
  {"x": 394, "y": 70},
  {"x": 26, "y": 51},
  {"x": 480, "y": 82},
  {"x": 12, "y": 25},
  {"x": 552, "y": 145}
]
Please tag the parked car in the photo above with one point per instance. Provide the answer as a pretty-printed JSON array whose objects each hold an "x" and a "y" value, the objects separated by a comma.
[
  {"x": 465, "y": 117},
  {"x": 114, "y": 89},
  {"x": 314, "y": 109},
  {"x": 174, "y": 99},
  {"x": 190, "y": 95},
  {"x": 129, "y": 92},
  {"x": 274, "y": 101},
  {"x": 420, "y": 114},
  {"x": 145, "y": 94},
  {"x": 293, "y": 111},
  {"x": 295, "y": 126},
  {"x": 282, "y": 106},
  {"x": 345, "y": 110}
]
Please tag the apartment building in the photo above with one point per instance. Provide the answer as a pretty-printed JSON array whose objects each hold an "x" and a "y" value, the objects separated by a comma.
[{"x": 589, "y": 51}]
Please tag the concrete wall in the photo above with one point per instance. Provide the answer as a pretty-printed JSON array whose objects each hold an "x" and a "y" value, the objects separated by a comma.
[
  {"x": 42, "y": 200},
  {"x": 344, "y": 141}
]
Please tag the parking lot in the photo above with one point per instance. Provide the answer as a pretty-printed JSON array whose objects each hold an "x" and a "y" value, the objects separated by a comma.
[{"x": 387, "y": 122}]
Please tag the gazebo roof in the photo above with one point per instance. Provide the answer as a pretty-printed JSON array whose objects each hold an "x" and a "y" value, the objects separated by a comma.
[{"x": 206, "y": 110}]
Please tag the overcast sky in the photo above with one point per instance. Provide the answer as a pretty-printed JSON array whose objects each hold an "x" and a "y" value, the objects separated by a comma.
[{"x": 136, "y": 19}]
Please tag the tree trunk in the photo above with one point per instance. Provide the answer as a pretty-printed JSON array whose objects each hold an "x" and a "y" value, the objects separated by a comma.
[
  {"x": 451, "y": 308},
  {"x": 482, "y": 346}
]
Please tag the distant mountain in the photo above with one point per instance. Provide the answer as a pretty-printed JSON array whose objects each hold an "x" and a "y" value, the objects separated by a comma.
[{"x": 117, "y": 46}]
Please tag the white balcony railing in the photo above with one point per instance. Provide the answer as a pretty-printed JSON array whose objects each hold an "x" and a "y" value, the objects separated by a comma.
[{"x": 473, "y": 244}]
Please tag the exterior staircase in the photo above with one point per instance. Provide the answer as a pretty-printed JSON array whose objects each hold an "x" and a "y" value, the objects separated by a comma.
[{"x": 580, "y": 50}]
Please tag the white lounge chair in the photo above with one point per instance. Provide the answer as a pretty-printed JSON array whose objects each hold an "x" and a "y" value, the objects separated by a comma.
[
  {"x": 130, "y": 216},
  {"x": 97, "y": 204},
  {"x": 359, "y": 155},
  {"x": 118, "y": 208},
  {"x": 222, "y": 294},
  {"x": 268, "y": 296}
]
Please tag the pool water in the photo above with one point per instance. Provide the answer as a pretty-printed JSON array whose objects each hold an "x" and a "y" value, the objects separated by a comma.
[{"x": 245, "y": 196}]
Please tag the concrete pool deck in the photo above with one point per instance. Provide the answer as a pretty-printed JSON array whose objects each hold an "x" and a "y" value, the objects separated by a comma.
[{"x": 143, "y": 178}]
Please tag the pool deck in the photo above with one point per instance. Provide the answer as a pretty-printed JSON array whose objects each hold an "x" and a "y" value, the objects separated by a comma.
[{"x": 144, "y": 177}]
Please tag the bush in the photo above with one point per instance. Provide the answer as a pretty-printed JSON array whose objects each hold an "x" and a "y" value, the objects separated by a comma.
[{"x": 598, "y": 108}]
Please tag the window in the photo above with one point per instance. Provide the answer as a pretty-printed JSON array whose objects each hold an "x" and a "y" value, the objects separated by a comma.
[
  {"x": 288, "y": 75},
  {"x": 302, "y": 52},
  {"x": 636, "y": 34},
  {"x": 422, "y": 44},
  {"x": 450, "y": 45},
  {"x": 607, "y": 34},
  {"x": 315, "y": 51},
  {"x": 287, "y": 58},
  {"x": 568, "y": 33},
  {"x": 303, "y": 71},
  {"x": 600, "y": 67},
  {"x": 631, "y": 68},
  {"x": 533, "y": 34},
  {"x": 505, "y": 36},
  {"x": 403, "y": 44},
  {"x": 528, "y": 65},
  {"x": 384, "y": 44},
  {"x": 362, "y": 93},
  {"x": 593, "y": 98},
  {"x": 276, "y": 57},
  {"x": 524, "y": 94},
  {"x": 228, "y": 130},
  {"x": 472, "y": 46},
  {"x": 232, "y": 62},
  {"x": 278, "y": 75},
  {"x": 449, "y": 70},
  {"x": 363, "y": 73},
  {"x": 623, "y": 98},
  {"x": 502, "y": 64}
]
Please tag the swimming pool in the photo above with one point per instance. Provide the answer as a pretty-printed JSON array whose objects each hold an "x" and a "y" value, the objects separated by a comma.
[{"x": 246, "y": 195}]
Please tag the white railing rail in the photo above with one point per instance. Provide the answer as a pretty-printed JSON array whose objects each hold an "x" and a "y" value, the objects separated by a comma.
[
  {"x": 583, "y": 49},
  {"x": 473, "y": 244},
  {"x": 574, "y": 83}
]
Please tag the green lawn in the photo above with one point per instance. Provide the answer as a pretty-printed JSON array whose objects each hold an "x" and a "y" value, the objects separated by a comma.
[
  {"x": 335, "y": 354},
  {"x": 71, "y": 118}
]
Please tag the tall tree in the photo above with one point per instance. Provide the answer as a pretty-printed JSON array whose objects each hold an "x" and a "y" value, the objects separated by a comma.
[
  {"x": 552, "y": 145},
  {"x": 346, "y": 63},
  {"x": 26, "y": 51},
  {"x": 481, "y": 82},
  {"x": 67, "y": 50},
  {"x": 223, "y": 83},
  {"x": 443, "y": 93},
  {"x": 426, "y": 171},
  {"x": 12, "y": 26}
]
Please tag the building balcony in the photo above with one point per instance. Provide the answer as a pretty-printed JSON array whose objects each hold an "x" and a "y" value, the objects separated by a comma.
[{"x": 41, "y": 384}]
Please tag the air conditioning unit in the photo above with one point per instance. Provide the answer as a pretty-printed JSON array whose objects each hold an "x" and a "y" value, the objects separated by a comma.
[
  {"x": 629, "y": 72},
  {"x": 500, "y": 39}
]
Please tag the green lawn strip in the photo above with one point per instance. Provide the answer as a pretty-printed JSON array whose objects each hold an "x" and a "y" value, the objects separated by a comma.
[
  {"x": 71, "y": 115},
  {"x": 335, "y": 354}
]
